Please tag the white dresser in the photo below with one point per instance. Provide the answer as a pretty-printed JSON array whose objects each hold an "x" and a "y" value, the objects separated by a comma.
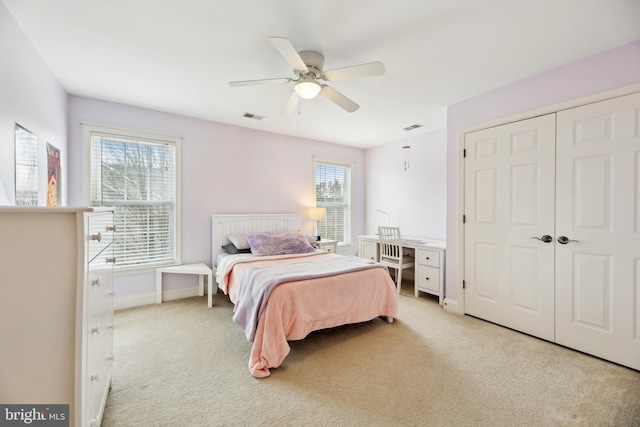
[{"x": 56, "y": 308}]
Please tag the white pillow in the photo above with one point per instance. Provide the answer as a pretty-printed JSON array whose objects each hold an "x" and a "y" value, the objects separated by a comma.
[{"x": 239, "y": 240}]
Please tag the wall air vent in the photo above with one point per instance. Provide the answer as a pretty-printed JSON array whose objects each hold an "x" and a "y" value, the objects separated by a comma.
[
  {"x": 412, "y": 127},
  {"x": 253, "y": 116}
]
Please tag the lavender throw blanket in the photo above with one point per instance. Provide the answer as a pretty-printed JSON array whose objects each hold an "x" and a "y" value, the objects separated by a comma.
[{"x": 258, "y": 283}]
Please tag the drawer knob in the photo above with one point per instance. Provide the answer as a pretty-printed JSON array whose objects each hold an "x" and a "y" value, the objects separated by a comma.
[
  {"x": 95, "y": 376},
  {"x": 97, "y": 237},
  {"x": 427, "y": 278},
  {"x": 95, "y": 329},
  {"x": 427, "y": 257},
  {"x": 111, "y": 228},
  {"x": 111, "y": 260},
  {"x": 96, "y": 282}
]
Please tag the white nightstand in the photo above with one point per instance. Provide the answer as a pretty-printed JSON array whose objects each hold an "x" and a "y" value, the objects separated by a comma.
[
  {"x": 200, "y": 269},
  {"x": 328, "y": 245}
]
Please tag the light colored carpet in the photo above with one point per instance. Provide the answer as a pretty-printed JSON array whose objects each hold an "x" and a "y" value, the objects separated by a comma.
[{"x": 182, "y": 364}]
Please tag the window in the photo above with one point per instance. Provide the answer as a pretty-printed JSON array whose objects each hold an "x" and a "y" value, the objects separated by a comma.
[
  {"x": 137, "y": 175},
  {"x": 333, "y": 192},
  {"x": 26, "y": 167}
]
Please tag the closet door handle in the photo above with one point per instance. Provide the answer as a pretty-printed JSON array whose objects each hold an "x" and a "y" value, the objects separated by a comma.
[
  {"x": 563, "y": 240},
  {"x": 546, "y": 238}
]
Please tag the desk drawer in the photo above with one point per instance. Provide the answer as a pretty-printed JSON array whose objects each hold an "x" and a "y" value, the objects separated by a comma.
[
  {"x": 428, "y": 279},
  {"x": 427, "y": 257}
]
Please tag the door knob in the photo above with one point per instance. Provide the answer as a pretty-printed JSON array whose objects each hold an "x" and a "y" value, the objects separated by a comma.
[
  {"x": 563, "y": 240},
  {"x": 546, "y": 238}
]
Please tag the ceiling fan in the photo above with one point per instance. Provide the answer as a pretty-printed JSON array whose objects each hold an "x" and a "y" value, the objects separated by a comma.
[{"x": 307, "y": 65}]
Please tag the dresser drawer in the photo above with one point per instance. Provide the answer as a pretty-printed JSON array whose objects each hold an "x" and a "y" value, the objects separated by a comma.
[
  {"x": 99, "y": 277},
  {"x": 428, "y": 279},
  {"x": 95, "y": 374},
  {"x": 93, "y": 413},
  {"x": 100, "y": 234},
  {"x": 427, "y": 257},
  {"x": 99, "y": 346},
  {"x": 99, "y": 357}
]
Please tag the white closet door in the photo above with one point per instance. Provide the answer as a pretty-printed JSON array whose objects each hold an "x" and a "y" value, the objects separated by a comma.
[
  {"x": 598, "y": 187},
  {"x": 509, "y": 202}
]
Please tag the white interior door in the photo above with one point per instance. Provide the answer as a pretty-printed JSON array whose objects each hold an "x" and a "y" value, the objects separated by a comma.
[
  {"x": 598, "y": 209},
  {"x": 509, "y": 209}
]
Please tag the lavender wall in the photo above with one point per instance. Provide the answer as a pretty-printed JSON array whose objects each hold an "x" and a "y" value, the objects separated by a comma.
[
  {"x": 608, "y": 70},
  {"x": 31, "y": 96},
  {"x": 416, "y": 197},
  {"x": 225, "y": 169}
]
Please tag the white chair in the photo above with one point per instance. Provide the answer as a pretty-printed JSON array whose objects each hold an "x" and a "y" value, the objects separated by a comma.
[{"x": 391, "y": 253}]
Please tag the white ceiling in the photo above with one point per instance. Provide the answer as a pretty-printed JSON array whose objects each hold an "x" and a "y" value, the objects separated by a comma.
[{"x": 178, "y": 56}]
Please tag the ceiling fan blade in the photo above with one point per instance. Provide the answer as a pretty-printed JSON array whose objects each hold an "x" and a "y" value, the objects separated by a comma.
[
  {"x": 289, "y": 53},
  {"x": 362, "y": 70},
  {"x": 338, "y": 98},
  {"x": 290, "y": 105},
  {"x": 260, "y": 82}
]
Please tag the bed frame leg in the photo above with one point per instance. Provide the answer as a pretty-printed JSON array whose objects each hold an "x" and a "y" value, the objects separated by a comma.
[{"x": 389, "y": 319}]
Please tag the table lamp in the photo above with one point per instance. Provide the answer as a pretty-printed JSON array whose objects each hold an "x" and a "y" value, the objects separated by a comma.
[{"x": 317, "y": 214}]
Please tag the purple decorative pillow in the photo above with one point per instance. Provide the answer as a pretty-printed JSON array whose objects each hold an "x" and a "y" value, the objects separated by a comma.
[{"x": 279, "y": 244}]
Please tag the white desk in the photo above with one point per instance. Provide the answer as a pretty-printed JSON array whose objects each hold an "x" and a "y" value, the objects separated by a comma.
[
  {"x": 200, "y": 269},
  {"x": 429, "y": 254}
]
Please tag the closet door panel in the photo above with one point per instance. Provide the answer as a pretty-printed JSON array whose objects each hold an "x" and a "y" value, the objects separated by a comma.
[
  {"x": 509, "y": 205},
  {"x": 598, "y": 189}
]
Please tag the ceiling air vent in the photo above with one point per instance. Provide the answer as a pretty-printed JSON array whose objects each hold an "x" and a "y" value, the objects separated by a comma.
[
  {"x": 412, "y": 127},
  {"x": 253, "y": 116}
]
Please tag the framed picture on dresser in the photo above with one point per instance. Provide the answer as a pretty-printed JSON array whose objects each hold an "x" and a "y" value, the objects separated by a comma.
[{"x": 54, "y": 188}]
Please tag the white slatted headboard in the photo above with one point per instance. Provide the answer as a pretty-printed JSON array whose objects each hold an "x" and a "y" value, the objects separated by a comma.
[{"x": 224, "y": 224}]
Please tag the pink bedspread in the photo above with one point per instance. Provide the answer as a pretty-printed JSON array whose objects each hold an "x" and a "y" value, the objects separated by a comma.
[{"x": 297, "y": 308}]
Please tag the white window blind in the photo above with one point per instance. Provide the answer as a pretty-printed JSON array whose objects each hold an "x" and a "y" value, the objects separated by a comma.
[
  {"x": 137, "y": 177},
  {"x": 333, "y": 192}
]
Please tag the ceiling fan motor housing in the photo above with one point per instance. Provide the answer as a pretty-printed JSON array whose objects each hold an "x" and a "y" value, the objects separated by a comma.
[{"x": 313, "y": 60}]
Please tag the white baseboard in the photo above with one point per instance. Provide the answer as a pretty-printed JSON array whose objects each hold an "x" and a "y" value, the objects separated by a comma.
[
  {"x": 136, "y": 301},
  {"x": 146, "y": 299},
  {"x": 452, "y": 306}
]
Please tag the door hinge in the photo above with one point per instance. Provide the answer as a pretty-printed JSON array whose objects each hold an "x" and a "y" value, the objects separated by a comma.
[
  {"x": 464, "y": 219},
  {"x": 464, "y": 152},
  {"x": 464, "y": 284}
]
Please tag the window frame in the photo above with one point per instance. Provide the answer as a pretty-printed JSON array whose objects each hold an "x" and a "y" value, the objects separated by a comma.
[
  {"x": 317, "y": 160},
  {"x": 87, "y": 130}
]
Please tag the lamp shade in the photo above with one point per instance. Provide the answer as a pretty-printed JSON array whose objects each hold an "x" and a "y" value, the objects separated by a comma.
[{"x": 317, "y": 214}]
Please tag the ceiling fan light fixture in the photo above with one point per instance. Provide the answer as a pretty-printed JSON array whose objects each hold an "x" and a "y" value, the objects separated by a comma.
[{"x": 307, "y": 88}]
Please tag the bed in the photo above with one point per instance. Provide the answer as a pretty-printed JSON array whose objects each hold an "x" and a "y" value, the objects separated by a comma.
[{"x": 319, "y": 290}]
